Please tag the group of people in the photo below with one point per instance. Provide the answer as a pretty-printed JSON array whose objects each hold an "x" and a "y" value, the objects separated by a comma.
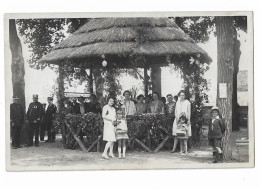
[
  {"x": 115, "y": 126},
  {"x": 38, "y": 118},
  {"x": 115, "y": 129}
]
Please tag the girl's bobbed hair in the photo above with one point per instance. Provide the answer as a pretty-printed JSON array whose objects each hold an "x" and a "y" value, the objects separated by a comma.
[{"x": 183, "y": 117}]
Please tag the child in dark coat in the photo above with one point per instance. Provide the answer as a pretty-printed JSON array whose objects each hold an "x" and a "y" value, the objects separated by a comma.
[{"x": 215, "y": 135}]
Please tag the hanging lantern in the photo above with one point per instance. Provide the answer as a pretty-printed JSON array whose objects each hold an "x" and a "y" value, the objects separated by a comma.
[
  {"x": 104, "y": 63},
  {"x": 191, "y": 60}
]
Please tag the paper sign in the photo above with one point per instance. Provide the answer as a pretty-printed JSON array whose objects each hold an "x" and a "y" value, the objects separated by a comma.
[{"x": 222, "y": 90}]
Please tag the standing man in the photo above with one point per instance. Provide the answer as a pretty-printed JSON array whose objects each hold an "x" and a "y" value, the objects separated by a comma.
[
  {"x": 82, "y": 105},
  {"x": 75, "y": 106},
  {"x": 170, "y": 106},
  {"x": 50, "y": 114},
  {"x": 17, "y": 119},
  {"x": 34, "y": 115},
  {"x": 43, "y": 123},
  {"x": 93, "y": 106}
]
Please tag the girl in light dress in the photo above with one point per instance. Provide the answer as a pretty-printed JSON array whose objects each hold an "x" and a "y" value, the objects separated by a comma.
[
  {"x": 183, "y": 106},
  {"x": 128, "y": 108},
  {"x": 182, "y": 133},
  {"x": 109, "y": 135}
]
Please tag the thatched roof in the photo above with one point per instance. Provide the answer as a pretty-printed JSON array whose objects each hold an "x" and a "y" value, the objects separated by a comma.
[{"x": 120, "y": 38}]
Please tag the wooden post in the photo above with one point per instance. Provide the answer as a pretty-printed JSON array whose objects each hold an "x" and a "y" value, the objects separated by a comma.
[
  {"x": 145, "y": 81},
  {"x": 149, "y": 141},
  {"x": 162, "y": 144},
  {"x": 156, "y": 80},
  {"x": 76, "y": 137},
  {"x": 142, "y": 145},
  {"x": 91, "y": 79},
  {"x": 94, "y": 143},
  {"x": 60, "y": 99}
]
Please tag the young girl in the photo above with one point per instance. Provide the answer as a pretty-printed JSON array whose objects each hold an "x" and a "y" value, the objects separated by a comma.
[
  {"x": 215, "y": 134},
  {"x": 182, "y": 133},
  {"x": 128, "y": 108},
  {"x": 121, "y": 133}
]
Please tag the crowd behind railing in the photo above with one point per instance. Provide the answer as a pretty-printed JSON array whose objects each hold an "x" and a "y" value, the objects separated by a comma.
[{"x": 40, "y": 119}]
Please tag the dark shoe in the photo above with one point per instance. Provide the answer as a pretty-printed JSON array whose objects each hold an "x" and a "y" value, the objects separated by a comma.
[
  {"x": 14, "y": 147},
  {"x": 37, "y": 145},
  {"x": 173, "y": 151},
  {"x": 47, "y": 140},
  {"x": 215, "y": 157},
  {"x": 29, "y": 145},
  {"x": 220, "y": 158}
]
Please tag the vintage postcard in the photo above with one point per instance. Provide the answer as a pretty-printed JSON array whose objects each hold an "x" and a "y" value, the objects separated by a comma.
[{"x": 148, "y": 90}]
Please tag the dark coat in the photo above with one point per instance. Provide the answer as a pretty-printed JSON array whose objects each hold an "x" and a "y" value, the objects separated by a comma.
[
  {"x": 76, "y": 108},
  {"x": 85, "y": 108},
  {"x": 35, "y": 111},
  {"x": 16, "y": 114},
  {"x": 94, "y": 107},
  {"x": 217, "y": 129},
  {"x": 50, "y": 113}
]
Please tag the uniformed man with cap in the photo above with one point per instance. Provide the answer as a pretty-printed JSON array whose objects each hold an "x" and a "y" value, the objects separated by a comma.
[
  {"x": 34, "y": 116},
  {"x": 17, "y": 119},
  {"x": 49, "y": 115}
]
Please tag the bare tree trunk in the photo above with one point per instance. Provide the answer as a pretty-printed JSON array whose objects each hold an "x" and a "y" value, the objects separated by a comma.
[
  {"x": 18, "y": 71},
  {"x": 225, "y": 45},
  {"x": 235, "y": 105}
]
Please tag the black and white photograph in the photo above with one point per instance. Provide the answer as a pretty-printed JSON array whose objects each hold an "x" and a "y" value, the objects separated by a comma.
[{"x": 129, "y": 91}]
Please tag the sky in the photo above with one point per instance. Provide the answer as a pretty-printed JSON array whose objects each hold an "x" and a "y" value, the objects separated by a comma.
[{"x": 42, "y": 82}]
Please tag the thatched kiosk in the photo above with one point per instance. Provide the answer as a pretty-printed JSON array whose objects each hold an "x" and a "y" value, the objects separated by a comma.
[
  {"x": 147, "y": 43},
  {"x": 127, "y": 42}
]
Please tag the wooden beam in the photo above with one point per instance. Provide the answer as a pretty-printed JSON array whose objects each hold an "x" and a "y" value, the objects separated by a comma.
[
  {"x": 75, "y": 137},
  {"x": 94, "y": 143},
  {"x": 156, "y": 80},
  {"x": 145, "y": 81},
  {"x": 142, "y": 145},
  {"x": 162, "y": 144}
]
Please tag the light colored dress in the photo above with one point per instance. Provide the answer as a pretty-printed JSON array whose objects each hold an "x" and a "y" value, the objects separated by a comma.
[
  {"x": 129, "y": 109},
  {"x": 155, "y": 107},
  {"x": 182, "y": 107},
  {"x": 109, "y": 129}
]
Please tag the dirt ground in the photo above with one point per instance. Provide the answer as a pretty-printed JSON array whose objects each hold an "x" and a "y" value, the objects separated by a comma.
[{"x": 51, "y": 156}]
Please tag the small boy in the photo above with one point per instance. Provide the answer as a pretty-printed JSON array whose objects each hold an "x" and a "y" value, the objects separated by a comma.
[{"x": 215, "y": 134}]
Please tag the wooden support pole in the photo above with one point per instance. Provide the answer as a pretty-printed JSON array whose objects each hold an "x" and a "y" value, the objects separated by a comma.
[
  {"x": 156, "y": 80},
  {"x": 162, "y": 144},
  {"x": 75, "y": 137},
  {"x": 145, "y": 81},
  {"x": 149, "y": 141},
  {"x": 94, "y": 143},
  {"x": 143, "y": 145}
]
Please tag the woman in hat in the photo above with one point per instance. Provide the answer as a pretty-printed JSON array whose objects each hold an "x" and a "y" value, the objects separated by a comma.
[{"x": 215, "y": 134}]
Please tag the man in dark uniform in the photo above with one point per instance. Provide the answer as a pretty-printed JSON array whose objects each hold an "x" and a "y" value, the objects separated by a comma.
[
  {"x": 43, "y": 123},
  {"x": 17, "y": 119},
  {"x": 50, "y": 114},
  {"x": 34, "y": 116},
  {"x": 75, "y": 106}
]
